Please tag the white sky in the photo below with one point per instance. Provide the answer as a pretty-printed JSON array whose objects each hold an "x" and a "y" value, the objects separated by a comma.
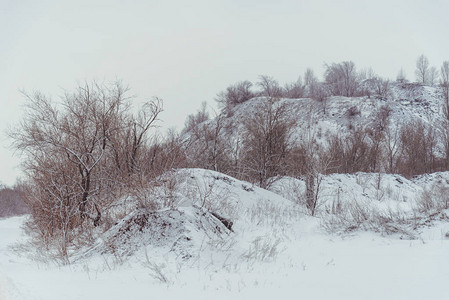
[{"x": 185, "y": 52}]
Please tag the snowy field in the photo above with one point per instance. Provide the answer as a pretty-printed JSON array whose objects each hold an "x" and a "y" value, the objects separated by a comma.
[{"x": 275, "y": 250}]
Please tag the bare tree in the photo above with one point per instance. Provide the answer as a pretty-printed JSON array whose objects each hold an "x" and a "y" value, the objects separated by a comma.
[
  {"x": 312, "y": 163},
  {"x": 78, "y": 133},
  {"x": 165, "y": 153},
  {"x": 218, "y": 150},
  {"x": 367, "y": 73},
  {"x": 269, "y": 87},
  {"x": 199, "y": 117},
  {"x": 313, "y": 180},
  {"x": 53, "y": 200},
  {"x": 377, "y": 134},
  {"x": 317, "y": 165},
  {"x": 433, "y": 75},
  {"x": 266, "y": 142},
  {"x": 342, "y": 78},
  {"x": 206, "y": 146},
  {"x": 422, "y": 69},
  {"x": 417, "y": 140},
  {"x": 294, "y": 90},
  {"x": 444, "y": 83},
  {"x": 444, "y": 138},
  {"x": 320, "y": 92},
  {"x": 354, "y": 154},
  {"x": 77, "y": 151},
  {"x": 401, "y": 77},
  {"x": 235, "y": 94},
  {"x": 139, "y": 126},
  {"x": 309, "y": 77},
  {"x": 382, "y": 87},
  {"x": 392, "y": 146}
]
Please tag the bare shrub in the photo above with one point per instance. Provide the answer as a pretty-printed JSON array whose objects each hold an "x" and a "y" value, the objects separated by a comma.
[
  {"x": 205, "y": 192},
  {"x": 309, "y": 77},
  {"x": 157, "y": 270},
  {"x": 235, "y": 94},
  {"x": 199, "y": 117},
  {"x": 342, "y": 78},
  {"x": 358, "y": 215},
  {"x": 426, "y": 202},
  {"x": 336, "y": 205},
  {"x": 80, "y": 154},
  {"x": 422, "y": 69},
  {"x": 263, "y": 249},
  {"x": 12, "y": 202},
  {"x": 266, "y": 142},
  {"x": 392, "y": 148},
  {"x": 401, "y": 77},
  {"x": 433, "y": 76},
  {"x": 434, "y": 200},
  {"x": 208, "y": 147},
  {"x": 319, "y": 162},
  {"x": 382, "y": 87},
  {"x": 352, "y": 153},
  {"x": 310, "y": 162},
  {"x": 375, "y": 86},
  {"x": 144, "y": 193},
  {"x": 294, "y": 90},
  {"x": 168, "y": 189},
  {"x": 417, "y": 140},
  {"x": 320, "y": 92},
  {"x": 269, "y": 87},
  {"x": 444, "y": 83},
  {"x": 273, "y": 214},
  {"x": 313, "y": 189}
]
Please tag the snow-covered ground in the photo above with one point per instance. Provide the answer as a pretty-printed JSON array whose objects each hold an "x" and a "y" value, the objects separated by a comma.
[{"x": 275, "y": 250}]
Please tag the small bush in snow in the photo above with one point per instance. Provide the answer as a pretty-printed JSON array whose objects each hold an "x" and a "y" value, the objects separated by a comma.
[
  {"x": 434, "y": 200},
  {"x": 263, "y": 249}
]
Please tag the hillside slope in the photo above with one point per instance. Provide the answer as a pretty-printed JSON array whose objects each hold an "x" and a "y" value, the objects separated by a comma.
[
  {"x": 275, "y": 249},
  {"x": 406, "y": 102}
]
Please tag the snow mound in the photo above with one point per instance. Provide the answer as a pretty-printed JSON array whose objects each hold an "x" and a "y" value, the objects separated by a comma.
[
  {"x": 216, "y": 192},
  {"x": 384, "y": 191},
  {"x": 180, "y": 231}
]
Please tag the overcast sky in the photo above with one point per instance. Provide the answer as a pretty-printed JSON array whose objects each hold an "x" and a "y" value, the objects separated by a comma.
[{"x": 185, "y": 52}]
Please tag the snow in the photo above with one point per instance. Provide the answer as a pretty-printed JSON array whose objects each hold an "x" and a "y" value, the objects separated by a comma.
[
  {"x": 406, "y": 102},
  {"x": 275, "y": 250},
  {"x": 173, "y": 229},
  {"x": 390, "y": 191}
]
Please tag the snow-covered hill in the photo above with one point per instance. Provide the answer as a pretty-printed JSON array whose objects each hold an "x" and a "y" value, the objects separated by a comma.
[
  {"x": 176, "y": 239},
  {"x": 274, "y": 249},
  {"x": 406, "y": 102},
  {"x": 385, "y": 203}
]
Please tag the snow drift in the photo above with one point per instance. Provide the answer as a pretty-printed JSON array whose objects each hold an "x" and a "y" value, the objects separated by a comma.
[{"x": 175, "y": 230}]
